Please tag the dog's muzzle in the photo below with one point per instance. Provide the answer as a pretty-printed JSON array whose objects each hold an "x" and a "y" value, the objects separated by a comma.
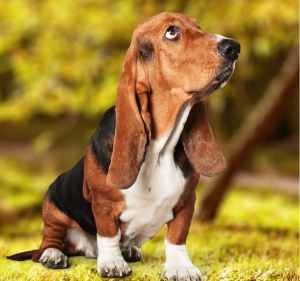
[{"x": 229, "y": 50}]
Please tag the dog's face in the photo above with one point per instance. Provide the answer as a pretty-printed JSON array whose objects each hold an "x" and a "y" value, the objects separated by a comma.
[
  {"x": 169, "y": 63},
  {"x": 178, "y": 54}
]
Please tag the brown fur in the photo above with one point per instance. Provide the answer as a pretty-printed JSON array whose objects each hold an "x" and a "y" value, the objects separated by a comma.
[
  {"x": 107, "y": 201},
  {"x": 178, "y": 228},
  {"x": 200, "y": 145},
  {"x": 56, "y": 224},
  {"x": 150, "y": 95},
  {"x": 165, "y": 83}
]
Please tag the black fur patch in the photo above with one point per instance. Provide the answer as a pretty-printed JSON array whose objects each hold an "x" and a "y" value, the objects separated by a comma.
[
  {"x": 146, "y": 50},
  {"x": 66, "y": 192},
  {"x": 103, "y": 138},
  {"x": 182, "y": 161}
]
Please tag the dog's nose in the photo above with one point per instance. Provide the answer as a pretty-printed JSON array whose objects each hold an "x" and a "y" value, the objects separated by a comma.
[{"x": 229, "y": 49}]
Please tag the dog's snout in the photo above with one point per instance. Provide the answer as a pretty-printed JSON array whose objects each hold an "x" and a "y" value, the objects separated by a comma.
[{"x": 229, "y": 49}]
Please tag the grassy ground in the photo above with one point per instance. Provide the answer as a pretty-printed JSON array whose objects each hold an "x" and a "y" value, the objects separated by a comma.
[{"x": 254, "y": 238}]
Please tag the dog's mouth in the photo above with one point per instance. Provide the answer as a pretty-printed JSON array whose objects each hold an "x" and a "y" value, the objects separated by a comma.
[
  {"x": 222, "y": 78},
  {"x": 219, "y": 81}
]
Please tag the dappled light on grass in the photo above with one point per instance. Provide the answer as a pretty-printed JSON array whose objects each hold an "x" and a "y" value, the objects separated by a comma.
[
  {"x": 250, "y": 240},
  {"x": 59, "y": 72},
  {"x": 257, "y": 210}
]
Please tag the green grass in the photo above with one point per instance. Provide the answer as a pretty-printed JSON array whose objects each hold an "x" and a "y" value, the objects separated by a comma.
[{"x": 254, "y": 238}]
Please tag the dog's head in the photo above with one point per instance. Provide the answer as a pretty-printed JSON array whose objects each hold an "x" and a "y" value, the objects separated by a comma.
[
  {"x": 178, "y": 54},
  {"x": 169, "y": 54}
]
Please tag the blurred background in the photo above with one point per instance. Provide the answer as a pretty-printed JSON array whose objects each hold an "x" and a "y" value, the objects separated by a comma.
[{"x": 59, "y": 67}]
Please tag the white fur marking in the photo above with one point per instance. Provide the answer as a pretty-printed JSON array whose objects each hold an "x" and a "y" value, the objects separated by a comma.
[
  {"x": 110, "y": 261},
  {"x": 159, "y": 184},
  {"x": 178, "y": 263},
  {"x": 223, "y": 84},
  {"x": 220, "y": 37},
  {"x": 233, "y": 66},
  {"x": 176, "y": 256},
  {"x": 109, "y": 247},
  {"x": 83, "y": 242}
]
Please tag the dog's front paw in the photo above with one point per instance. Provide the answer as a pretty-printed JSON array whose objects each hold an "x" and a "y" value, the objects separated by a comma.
[
  {"x": 131, "y": 253},
  {"x": 54, "y": 258},
  {"x": 113, "y": 268},
  {"x": 190, "y": 273}
]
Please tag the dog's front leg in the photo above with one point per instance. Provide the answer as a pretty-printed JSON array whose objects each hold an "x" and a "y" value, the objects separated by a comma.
[
  {"x": 106, "y": 206},
  {"x": 110, "y": 262},
  {"x": 178, "y": 265}
]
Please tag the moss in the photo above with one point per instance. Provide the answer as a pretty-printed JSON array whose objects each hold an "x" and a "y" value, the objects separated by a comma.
[{"x": 254, "y": 238}]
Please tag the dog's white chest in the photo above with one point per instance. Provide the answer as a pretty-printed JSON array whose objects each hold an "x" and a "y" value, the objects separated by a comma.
[
  {"x": 157, "y": 189},
  {"x": 151, "y": 199}
]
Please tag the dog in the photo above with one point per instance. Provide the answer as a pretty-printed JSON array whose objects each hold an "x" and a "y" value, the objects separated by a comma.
[{"x": 143, "y": 163}]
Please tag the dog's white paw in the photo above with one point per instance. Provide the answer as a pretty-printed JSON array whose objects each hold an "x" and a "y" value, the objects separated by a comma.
[
  {"x": 113, "y": 268},
  {"x": 178, "y": 266},
  {"x": 54, "y": 258},
  {"x": 190, "y": 273}
]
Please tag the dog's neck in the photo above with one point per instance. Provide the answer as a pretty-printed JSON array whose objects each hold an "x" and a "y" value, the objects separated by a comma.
[
  {"x": 174, "y": 134},
  {"x": 166, "y": 110}
]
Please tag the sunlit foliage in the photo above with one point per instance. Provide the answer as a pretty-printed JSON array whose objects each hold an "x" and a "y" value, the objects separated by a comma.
[{"x": 64, "y": 57}]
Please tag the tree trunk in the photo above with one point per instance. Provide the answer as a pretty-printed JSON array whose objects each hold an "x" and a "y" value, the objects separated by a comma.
[{"x": 261, "y": 121}]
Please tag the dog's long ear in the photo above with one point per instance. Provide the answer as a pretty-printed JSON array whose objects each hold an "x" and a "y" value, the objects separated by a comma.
[
  {"x": 132, "y": 124},
  {"x": 200, "y": 144}
]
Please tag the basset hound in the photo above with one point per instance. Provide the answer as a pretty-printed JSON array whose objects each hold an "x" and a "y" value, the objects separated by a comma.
[{"x": 144, "y": 160}]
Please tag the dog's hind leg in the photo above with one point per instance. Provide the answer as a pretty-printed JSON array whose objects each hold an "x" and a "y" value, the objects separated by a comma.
[
  {"x": 52, "y": 250},
  {"x": 80, "y": 242}
]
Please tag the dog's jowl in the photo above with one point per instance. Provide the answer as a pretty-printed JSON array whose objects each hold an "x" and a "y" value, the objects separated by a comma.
[{"x": 144, "y": 160}]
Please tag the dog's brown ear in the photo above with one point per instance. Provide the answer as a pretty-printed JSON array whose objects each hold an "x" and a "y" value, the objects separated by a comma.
[
  {"x": 200, "y": 144},
  {"x": 132, "y": 123}
]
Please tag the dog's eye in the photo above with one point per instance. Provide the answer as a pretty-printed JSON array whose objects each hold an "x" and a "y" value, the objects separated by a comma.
[{"x": 172, "y": 33}]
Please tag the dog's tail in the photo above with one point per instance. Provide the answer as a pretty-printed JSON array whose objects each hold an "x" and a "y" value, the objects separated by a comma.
[{"x": 23, "y": 255}]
